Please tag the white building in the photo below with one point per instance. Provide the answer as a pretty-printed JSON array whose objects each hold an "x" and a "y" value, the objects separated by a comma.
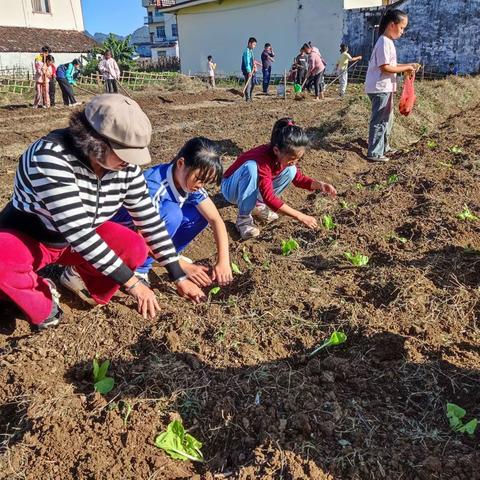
[
  {"x": 27, "y": 25},
  {"x": 162, "y": 29},
  {"x": 222, "y": 27}
]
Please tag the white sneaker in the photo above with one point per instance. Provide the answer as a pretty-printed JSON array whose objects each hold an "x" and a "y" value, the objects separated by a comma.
[
  {"x": 246, "y": 227},
  {"x": 262, "y": 212},
  {"x": 73, "y": 281}
]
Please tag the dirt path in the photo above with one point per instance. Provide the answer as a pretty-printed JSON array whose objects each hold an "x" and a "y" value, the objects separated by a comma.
[{"x": 235, "y": 368}]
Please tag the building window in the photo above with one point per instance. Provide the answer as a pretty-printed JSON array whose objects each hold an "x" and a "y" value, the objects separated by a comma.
[
  {"x": 174, "y": 30},
  {"x": 161, "y": 31},
  {"x": 162, "y": 53},
  {"x": 41, "y": 6}
]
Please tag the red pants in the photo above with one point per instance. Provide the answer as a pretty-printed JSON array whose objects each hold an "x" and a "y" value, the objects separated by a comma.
[{"x": 21, "y": 257}]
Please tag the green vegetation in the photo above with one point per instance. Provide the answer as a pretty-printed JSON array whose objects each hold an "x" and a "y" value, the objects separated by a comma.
[
  {"x": 101, "y": 382},
  {"x": 455, "y": 150},
  {"x": 455, "y": 416},
  {"x": 236, "y": 269},
  {"x": 357, "y": 260},
  {"x": 432, "y": 144},
  {"x": 289, "y": 246},
  {"x": 328, "y": 223},
  {"x": 179, "y": 444},
  {"x": 336, "y": 338},
  {"x": 467, "y": 214}
]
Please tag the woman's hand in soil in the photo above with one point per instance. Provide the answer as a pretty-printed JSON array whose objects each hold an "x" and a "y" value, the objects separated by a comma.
[
  {"x": 222, "y": 274},
  {"x": 310, "y": 222},
  {"x": 198, "y": 274},
  {"x": 324, "y": 188},
  {"x": 187, "y": 288},
  {"x": 147, "y": 304}
]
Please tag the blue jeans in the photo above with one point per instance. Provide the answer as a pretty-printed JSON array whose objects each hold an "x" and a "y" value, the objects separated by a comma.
[
  {"x": 266, "y": 72},
  {"x": 183, "y": 225},
  {"x": 241, "y": 188},
  {"x": 381, "y": 123}
]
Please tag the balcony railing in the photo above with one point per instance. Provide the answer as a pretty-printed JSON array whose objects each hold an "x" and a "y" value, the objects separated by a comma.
[
  {"x": 157, "y": 18},
  {"x": 159, "y": 3}
]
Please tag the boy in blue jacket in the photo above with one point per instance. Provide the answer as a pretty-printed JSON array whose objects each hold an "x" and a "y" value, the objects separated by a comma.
[
  {"x": 66, "y": 78},
  {"x": 249, "y": 68}
]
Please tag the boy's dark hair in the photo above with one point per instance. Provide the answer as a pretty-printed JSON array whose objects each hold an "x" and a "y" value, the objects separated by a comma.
[
  {"x": 86, "y": 140},
  {"x": 202, "y": 153},
  {"x": 267, "y": 45},
  {"x": 391, "y": 15},
  {"x": 343, "y": 47},
  {"x": 46, "y": 49},
  {"x": 252, "y": 39},
  {"x": 49, "y": 58},
  {"x": 451, "y": 64},
  {"x": 287, "y": 136},
  {"x": 75, "y": 61},
  {"x": 209, "y": 57}
]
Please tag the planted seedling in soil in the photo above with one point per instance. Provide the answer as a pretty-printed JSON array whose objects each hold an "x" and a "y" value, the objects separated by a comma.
[
  {"x": 431, "y": 144},
  {"x": 179, "y": 444},
  {"x": 357, "y": 260},
  {"x": 246, "y": 258},
  {"x": 398, "y": 238},
  {"x": 328, "y": 223},
  {"x": 236, "y": 269},
  {"x": 289, "y": 246},
  {"x": 101, "y": 382},
  {"x": 336, "y": 338},
  {"x": 466, "y": 214},
  {"x": 392, "y": 179},
  {"x": 455, "y": 150},
  {"x": 125, "y": 409},
  {"x": 455, "y": 416},
  {"x": 214, "y": 291}
]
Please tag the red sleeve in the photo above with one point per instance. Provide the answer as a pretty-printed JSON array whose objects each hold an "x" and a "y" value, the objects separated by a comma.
[
  {"x": 265, "y": 187},
  {"x": 302, "y": 181}
]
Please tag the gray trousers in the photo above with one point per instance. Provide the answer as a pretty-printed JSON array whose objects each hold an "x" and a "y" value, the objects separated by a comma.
[
  {"x": 343, "y": 80},
  {"x": 381, "y": 123}
]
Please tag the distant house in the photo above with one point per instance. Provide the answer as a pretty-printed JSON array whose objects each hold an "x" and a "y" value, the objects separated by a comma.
[
  {"x": 162, "y": 31},
  {"x": 27, "y": 25},
  {"x": 221, "y": 28}
]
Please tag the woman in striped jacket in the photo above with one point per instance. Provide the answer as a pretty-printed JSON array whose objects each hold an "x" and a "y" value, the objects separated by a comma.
[{"x": 67, "y": 186}]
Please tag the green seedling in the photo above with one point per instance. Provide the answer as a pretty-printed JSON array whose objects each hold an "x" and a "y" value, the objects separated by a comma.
[
  {"x": 336, "y": 338},
  {"x": 126, "y": 410},
  {"x": 214, "y": 291},
  {"x": 455, "y": 150},
  {"x": 289, "y": 246},
  {"x": 467, "y": 214},
  {"x": 246, "y": 258},
  {"x": 101, "y": 382},
  {"x": 236, "y": 269},
  {"x": 357, "y": 260},
  {"x": 432, "y": 144},
  {"x": 179, "y": 444},
  {"x": 455, "y": 416},
  {"x": 377, "y": 186},
  {"x": 343, "y": 204},
  {"x": 398, "y": 238},
  {"x": 266, "y": 265},
  {"x": 392, "y": 179},
  {"x": 359, "y": 186},
  {"x": 328, "y": 223}
]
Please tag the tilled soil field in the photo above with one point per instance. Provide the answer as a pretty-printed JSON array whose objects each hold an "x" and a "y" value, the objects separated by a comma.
[{"x": 235, "y": 368}]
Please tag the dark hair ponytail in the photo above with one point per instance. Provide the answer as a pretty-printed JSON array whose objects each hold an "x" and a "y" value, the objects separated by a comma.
[
  {"x": 287, "y": 136},
  {"x": 202, "y": 153},
  {"x": 391, "y": 15}
]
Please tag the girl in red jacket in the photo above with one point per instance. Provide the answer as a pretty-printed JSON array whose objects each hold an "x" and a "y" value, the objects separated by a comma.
[{"x": 258, "y": 176}]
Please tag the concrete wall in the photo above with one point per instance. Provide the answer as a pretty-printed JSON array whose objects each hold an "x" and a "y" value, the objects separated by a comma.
[
  {"x": 65, "y": 15},
  {"x": 347, "y": 4},
  {"x": 439, "y": 32},
  {"x": 26, "y": 59},
  {"x": 222, "y": 30}
]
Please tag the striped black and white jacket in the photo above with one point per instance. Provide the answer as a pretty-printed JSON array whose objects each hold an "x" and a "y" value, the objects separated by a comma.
[{"x": 59, "y": 200}]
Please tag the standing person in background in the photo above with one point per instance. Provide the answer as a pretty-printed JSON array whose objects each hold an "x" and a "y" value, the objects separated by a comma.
[
  {"x": 381, "y": 83},
  {"x": 301, "y": 62},
  {"x": 65, "y": 73},
  {"x": 452, "y": 69},
  {"x": 342, "y": 67},
  {"x": 52, "y": 84},
  {"x": 111, "y": 73},
  {"x": 43, "y": 74},
  {"x": 249, "y": 68},
  {"x": 211, "y": 66},
  {"x": 268, "y": 57},
  {"x": 316, "y": 69}
]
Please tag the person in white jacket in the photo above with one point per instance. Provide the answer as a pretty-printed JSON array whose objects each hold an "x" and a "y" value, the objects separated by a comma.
[{"x": 111, "y": 73}]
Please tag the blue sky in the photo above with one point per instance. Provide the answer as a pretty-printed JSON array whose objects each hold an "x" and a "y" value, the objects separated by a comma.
[{"x": 117, "y": 16}]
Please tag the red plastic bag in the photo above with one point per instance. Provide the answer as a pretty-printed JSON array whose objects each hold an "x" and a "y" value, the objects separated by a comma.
[{"x": 407, "y": 100}]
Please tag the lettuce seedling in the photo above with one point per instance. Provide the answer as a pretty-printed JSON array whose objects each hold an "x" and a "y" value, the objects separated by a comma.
[
  {"x": 246, "y": 258},
  {"x": 336, "y": 338},
  {"x": 455, "y": 150},
  {"x": 398, "y": 238},
  {"x": 179, "y": 444},
  {"x": 392, "y": 179},
  {"x": 236, "y": 269},
  {"x": 466, "y": 214},
  {"x": 357, "y": 260},
  {"x": 455, "y": 415},
  {"x": 214, "y": 291},
  {"x": 328, "y": 223},
  {"x": 432, "y": 144},
  {"x": 101, "y": 382},
  {"x": 289, "y": 246}
]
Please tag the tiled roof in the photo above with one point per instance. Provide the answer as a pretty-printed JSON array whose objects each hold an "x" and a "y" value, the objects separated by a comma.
[{"x": 23, "y": 39}]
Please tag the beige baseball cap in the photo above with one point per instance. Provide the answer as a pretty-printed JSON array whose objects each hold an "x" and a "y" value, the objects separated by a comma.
[{"x": 121, "y": 120}]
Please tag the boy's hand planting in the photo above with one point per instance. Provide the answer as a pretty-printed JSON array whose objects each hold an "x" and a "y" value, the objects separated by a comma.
[{"x": 186, "y": 288}]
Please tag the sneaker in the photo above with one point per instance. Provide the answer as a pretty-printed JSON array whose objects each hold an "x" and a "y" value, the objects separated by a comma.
[
  {"x": 143, "y": 276},
  {"x": 262, "y": 212},
  {"x": 383, "y": 159},
  {"x": 392, "y": 151},
  {"x": 71, "y": 279},
  {"x": 246, "y": 227},
  {"x": 57, "y": 313}
]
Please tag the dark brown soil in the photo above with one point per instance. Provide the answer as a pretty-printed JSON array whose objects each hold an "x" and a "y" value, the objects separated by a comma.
[{"x": 235, "y": 369}]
